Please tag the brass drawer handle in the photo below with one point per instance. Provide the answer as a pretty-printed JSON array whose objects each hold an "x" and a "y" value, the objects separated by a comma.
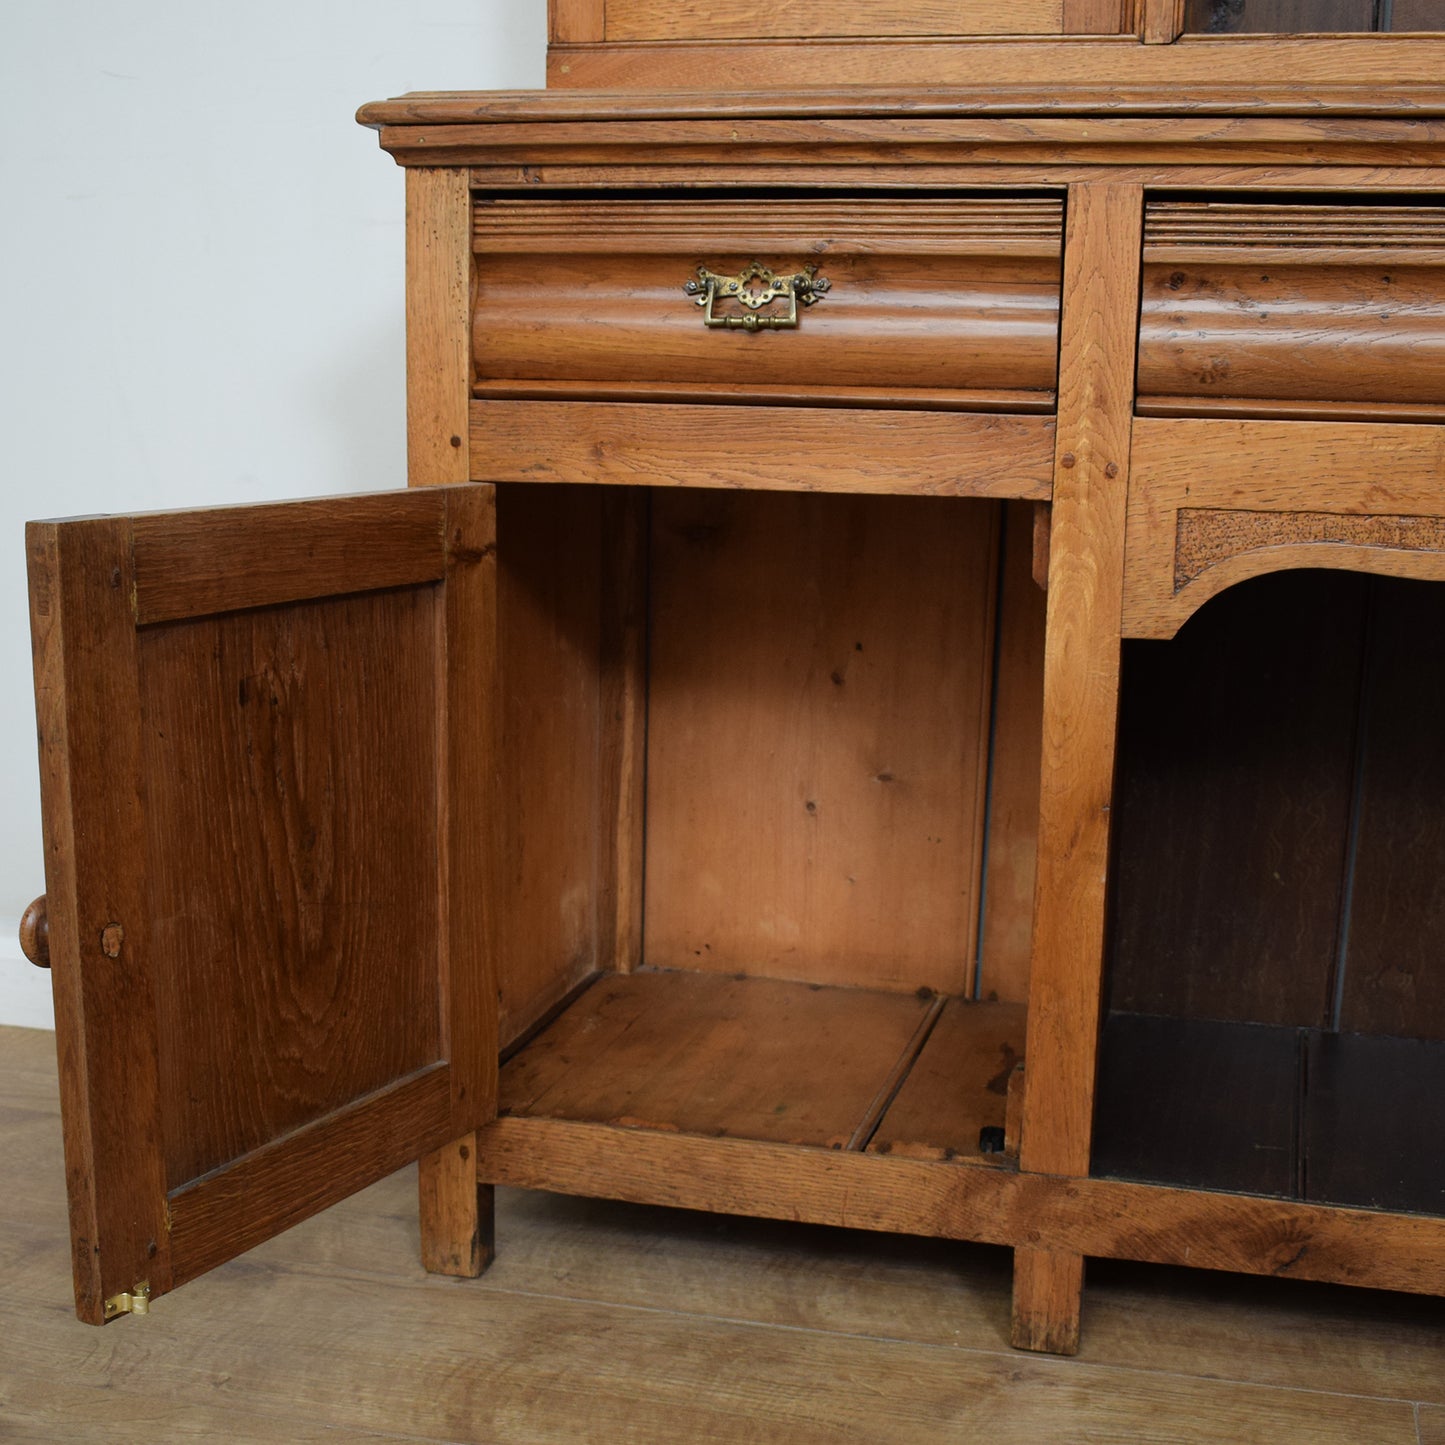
[{"x": 754, "y": 288}]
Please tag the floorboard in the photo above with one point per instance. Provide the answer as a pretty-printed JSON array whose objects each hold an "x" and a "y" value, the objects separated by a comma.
[{"x": 610, "y": 1322}]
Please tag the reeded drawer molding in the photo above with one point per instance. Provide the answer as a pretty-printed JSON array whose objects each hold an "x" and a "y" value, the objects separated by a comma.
[
  {"x": 1213, "y": 502},
  {"x": 950, "y": 301},
  {"x": 913, "y": 226},
  {"x": 1293, "y": 310}
]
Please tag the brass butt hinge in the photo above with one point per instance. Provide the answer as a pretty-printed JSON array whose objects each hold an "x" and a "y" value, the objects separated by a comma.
[{"x": 133, "y": 1302}]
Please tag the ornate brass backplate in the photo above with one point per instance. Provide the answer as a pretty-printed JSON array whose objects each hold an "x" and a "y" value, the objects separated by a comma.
[{"x": 754, "y": 288}]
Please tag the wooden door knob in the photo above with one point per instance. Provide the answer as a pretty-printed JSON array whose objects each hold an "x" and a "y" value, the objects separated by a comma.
[{"x": 35, "y": 934}]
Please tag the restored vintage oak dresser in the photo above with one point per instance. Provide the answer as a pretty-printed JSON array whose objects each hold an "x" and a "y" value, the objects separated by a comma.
[{"x": 759, "y": 725}]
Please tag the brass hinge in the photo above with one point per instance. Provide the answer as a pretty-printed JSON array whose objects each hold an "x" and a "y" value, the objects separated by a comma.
[{"x": 134, "y": 1302}]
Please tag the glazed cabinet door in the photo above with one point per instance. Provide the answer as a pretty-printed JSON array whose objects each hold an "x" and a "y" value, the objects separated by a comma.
[{"x": 266, "y": 751}]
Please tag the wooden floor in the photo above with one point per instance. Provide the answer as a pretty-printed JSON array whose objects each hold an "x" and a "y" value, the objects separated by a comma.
[{"x": 616, "y": 1323}]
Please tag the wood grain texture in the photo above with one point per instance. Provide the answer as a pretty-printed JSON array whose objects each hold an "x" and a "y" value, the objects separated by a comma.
[
  {"x": 1161, "y": 22},
  {"x": 1047, "y": 1287},
  {"x": 1097, "y": 17},
  {"x": 455, "y": 1219},
  {"x": 35, "y": 932},
  {"x": 622, "y": 720},
  {"x": 1081, "y": 678},
  {"x": 703, "y": 1054},
  {"x": 1081, "y": 662},
  {"x": 191, "y": 563},
  {"x": 370, "y": 1347},
  {"x": 1013, "y": 821},
  {"x": 1207, "y": 536},
  {"x": 1393, "y": 982},
  {"x": 294, "y": 902},
  {"x": 1385, "y": 1091},
  {"x": 86, "y": 701},
  {"x": 1227, "y": 1335},
  {"x": 1269, "y": 64},
  {"x": 280, "y": 1183},
  {"x": 456, "y": 1213},
  {"x": 967, "y": 168},
  {"x": 574, "y": 22},
  {"x": 1243, "y": 409},
  {"x": 549, "y": 640},
  {"x": 469, "y": 826},
  {"x": 1178, "y": 230},
  {"x": 438, "y": 300},
  {"x": 281, "y": 957},
  {"x": 782, "y": 448},
  {"x": 1352, "y": 471},
  {"x": 1263, "y": 328},
  {"x": 818, "y": 228},
  {"x": 952, "y": 1200},
  {"x": 1200, "y": 1104},
  {"x": 1095, "y": 77},
  {"x": 880, "y": 398},
  {"x": 1233, "y": 802},
  {"x": 957, "y": 1086},
  {"x": 544, "y": 153},
  {"x": 631, "y": 20},
  {"x": 612, "y": 308},
  {"x": 817, "y": 736}
]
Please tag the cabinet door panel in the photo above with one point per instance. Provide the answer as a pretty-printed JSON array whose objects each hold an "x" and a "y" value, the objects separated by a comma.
[{"x": 266, "y": 741}]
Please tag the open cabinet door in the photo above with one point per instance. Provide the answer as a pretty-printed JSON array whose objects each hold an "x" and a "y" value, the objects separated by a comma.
[{"x": 267, "y": 750}]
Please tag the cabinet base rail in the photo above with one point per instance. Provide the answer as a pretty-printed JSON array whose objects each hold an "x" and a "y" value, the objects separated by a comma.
[{"x": 946, "y": 1199}]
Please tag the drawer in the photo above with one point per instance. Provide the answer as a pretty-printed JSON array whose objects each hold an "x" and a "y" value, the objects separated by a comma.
[
  {"x": 1315, "y": 310},
  {"x": 944, "y": 302}
]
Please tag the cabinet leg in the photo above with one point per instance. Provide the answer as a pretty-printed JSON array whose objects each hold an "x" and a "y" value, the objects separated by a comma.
[
  {"x": 1048, "y": 1294},
  {"x": 456, "y": 1212}
]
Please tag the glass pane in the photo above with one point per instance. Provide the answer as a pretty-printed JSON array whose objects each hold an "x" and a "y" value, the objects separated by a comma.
[
  {"x": 1278, "y": 17},
  {"x": 1414, "y": 15},
  {"x": 1310, "y": 17}
]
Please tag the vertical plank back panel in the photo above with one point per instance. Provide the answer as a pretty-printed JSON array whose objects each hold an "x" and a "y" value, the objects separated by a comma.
[
  {"x": 1395, "y": 954},
  {"x": 819, "y": 679},
  {"x": 1236, "y": 748}
]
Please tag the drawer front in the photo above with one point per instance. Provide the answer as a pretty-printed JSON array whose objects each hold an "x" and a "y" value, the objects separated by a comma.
[
  {"x": 1293, "y": 310},
  {"x": 940, "y": 302}
]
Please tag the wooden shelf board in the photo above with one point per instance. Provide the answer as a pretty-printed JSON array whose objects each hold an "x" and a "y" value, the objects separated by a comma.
[
  {"x": 958, "y": 1086},
  {"x": 730, "y": 1056}
]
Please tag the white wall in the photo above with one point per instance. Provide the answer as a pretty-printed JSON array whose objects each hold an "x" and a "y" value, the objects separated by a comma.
[{"x": 201, "y": 256}]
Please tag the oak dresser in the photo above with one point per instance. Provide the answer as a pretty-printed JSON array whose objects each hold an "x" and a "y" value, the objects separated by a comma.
[{"x": 903, "y": 692}]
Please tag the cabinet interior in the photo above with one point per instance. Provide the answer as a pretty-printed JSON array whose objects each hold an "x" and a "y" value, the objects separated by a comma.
[
  {"x": 837, "y": 789},
  {"x": 818, "y": 949},
  {"x": 1275, "y": 1017}
]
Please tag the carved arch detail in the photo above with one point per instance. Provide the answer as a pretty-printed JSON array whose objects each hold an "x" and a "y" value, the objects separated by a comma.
[{"x": 1213, "y": 503}]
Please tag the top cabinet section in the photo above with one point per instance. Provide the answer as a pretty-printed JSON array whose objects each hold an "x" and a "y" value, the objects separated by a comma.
[{"x": 939, "y": 301}]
